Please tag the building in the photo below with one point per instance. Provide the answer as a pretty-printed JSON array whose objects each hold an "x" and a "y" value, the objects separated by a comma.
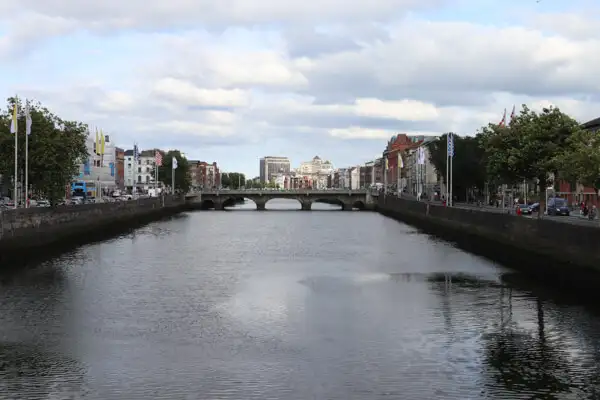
[
  {"x": 270, "y": 166},
  {"x": 316, "y": 171},
  {"x": 398, "y": 144},
  {"x": 204, "y": 175},
  {"x": 420, "y": 179},
  {"x": 120, "y": 168},
  {"x": 98, "y": 172},
  {"x": 354, "y": 173},
  {"x": 141, "y": 175}
]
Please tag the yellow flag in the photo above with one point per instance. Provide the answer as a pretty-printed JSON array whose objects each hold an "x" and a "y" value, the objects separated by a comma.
[
  {"x": 13, "y": 123},
  {"x": 102, "y": 143},
  {"x": 386, "y": 164}
]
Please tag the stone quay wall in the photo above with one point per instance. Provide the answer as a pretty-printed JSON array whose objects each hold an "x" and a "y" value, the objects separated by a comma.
[
  {"x": 22, "y": 230},
  {"x": 568, "y": 254}
]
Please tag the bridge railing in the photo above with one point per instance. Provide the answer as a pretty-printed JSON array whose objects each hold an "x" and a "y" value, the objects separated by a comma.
[{"x": 279, "y": 191}]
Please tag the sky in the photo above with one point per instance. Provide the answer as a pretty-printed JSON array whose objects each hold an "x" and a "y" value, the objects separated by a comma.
[{"x": 235, "y": 80}]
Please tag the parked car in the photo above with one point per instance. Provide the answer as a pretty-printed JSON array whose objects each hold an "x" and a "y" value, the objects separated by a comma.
[
  {"x": 558, "y": 206},
  {"x": 535, "y": 207},
  {"x": 525, "y": 209}
]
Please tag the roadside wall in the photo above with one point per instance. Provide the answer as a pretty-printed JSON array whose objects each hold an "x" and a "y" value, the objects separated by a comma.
[
  {"x": 546, "y": 248},
  {"x": 25, "y": 229}
]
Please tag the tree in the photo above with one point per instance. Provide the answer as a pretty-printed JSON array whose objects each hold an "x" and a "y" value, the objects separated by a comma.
[
  {"x": 233, "y": 180},
  {"x": 468, "y": 168},
  {"x": 182, "y": 176},
  {"x": 580, "y": 161},
  {"x": 56, "y": 149},
  {"x": 529, "y": 148}
]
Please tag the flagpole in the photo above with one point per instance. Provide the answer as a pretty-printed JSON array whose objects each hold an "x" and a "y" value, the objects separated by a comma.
[
  {"x": 447, "y": 170},
  {"x": 451, "y": 175},
  {"x": 16, "y": 154},
  {"x": 172, "y": 179},
  {"x": 27, "y": 132}
]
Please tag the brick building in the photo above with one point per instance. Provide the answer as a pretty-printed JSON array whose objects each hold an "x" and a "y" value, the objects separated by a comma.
[{"x": 204, "y": 175}]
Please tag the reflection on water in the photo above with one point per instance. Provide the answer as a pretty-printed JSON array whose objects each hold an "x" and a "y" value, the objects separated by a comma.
[{"x": 290, "y": 305}]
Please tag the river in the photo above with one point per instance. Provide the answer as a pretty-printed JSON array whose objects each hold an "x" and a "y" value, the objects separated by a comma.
[{"x": 287, "y": 305}]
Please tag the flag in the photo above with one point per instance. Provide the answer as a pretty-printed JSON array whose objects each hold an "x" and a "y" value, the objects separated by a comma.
[
  {"x": 28, "y": 121},
  {"x": 503, "y": 120},
  {"x": 14, "y": 127},
  {"x": 450, "y": 141},
  {"x": 512, "y": 115},
  {"x": 400, "y": 161},
  {"x": 158, "y": 158},
  {"x": 97, "y": 143},
  {"x": 386, "y": 164},
  {"x": 421, "y": 155},
  {"x": 136, "y": 153},
  {"x": 102, "y": 142},
  {"x": 174, "y": 163}
]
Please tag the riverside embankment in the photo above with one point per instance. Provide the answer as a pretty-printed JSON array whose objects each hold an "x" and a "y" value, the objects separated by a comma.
[
  {"x": 25, "y": 232},
  {"x": 566, "y": 254}
]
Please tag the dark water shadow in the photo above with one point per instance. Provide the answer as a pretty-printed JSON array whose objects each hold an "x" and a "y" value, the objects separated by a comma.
[
  {"x": 518, "y": 360},
  {"x": 13, "y": 261}
]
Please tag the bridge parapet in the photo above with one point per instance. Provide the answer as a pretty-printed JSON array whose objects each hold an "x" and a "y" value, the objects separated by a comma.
[{"x": 218, "y": 199}]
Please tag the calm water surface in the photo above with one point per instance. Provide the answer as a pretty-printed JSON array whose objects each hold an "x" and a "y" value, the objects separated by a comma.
[{"x": 287, "y": 305}]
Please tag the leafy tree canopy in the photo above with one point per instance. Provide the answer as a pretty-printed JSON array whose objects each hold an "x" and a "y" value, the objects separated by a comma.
[
  {"x": 580, "y": 160},
  {"x": 528, "y": 148},
  {"x": 233, "y": 180},
  {"x": 56, "y": 148},
  {"x": 468, "y": 165}
]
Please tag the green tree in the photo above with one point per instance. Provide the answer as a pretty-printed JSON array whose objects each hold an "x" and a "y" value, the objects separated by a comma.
[
  {"x": 56, "y": 149},
  {"x": 182, "y": 176},
  {"x": 468, "y": 168},
  {"x": 233, "y": 180},
  {"x": 580, "y": 162},
  {"x": 529, "y": 148}
]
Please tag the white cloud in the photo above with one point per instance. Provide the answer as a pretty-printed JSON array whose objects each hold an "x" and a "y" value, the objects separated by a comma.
[
  {"x": 338, "y": 70},
  {"x": 187, "y": 94}
]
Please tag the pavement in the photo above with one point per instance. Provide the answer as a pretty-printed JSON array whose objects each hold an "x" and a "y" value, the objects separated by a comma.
[{"x": 575, "y": 218}]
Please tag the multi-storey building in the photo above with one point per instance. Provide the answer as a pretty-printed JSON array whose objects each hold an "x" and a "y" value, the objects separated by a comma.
[
  {"x": 421, "y": 178},
  {"x": 204, "y": 175},
  {"x": 120, "y": 168},
  {"x": 98, "y": 172},
  {"x": 141, "y": 174},
  {"x": 398, "y": 144},
  {"x": 316, "y": 171},
  {"x": 270, "y": 166}
]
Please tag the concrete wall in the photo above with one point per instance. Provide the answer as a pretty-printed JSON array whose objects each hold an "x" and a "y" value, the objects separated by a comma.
[
  {"x": 560, "y": 251},
  {"x": 24, "y": 229}
]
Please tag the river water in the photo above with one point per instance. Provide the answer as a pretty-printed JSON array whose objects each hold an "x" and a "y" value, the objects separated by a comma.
[{"x": 287, "y": 305}]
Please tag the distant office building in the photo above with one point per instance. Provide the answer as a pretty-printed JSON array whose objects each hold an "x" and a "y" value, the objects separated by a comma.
[{"x": 273, "y": 166}]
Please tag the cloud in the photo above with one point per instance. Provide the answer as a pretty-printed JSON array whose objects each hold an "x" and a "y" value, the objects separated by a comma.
[{"x": 233, "y": 80}]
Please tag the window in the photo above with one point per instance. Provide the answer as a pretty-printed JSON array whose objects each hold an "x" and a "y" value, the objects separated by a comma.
[
  {"x": 139, "y": 179},
  {"x": 147, "y": 178},
  {"x": 129, "y": 165},
  {"x": 139, "y": 170}
]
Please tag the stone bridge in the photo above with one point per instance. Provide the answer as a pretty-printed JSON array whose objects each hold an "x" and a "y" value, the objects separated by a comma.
[{"x": 219, "y": 199}]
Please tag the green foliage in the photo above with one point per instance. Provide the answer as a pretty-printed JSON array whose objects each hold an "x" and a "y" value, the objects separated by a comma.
[
  {"x": 56, "y": 148},
  {"x": 530, "y": 147},
  {"x": 232, "y": 180},
  {"x": 182, "y": 176},
  {"x": 468, "y": 168},
  {"x": 580, "y": 160}
]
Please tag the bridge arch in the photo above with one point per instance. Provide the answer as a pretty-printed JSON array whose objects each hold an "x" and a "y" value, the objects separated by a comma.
[
  {"x": 333, "y": 202},
  {"x": 232, "y": 201},
  {"x": 207, "y": 204},
  {"x": 283, "y": 203},
  {"x": 359, "y": 204}
]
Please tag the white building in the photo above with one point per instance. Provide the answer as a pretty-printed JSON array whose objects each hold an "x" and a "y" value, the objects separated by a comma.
[
  {"x": 355, "y": 178},
  {"x": 99, "y": 171},
  {"x": 140, "y": 175},
  {"x": 317, "y": 171}
]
